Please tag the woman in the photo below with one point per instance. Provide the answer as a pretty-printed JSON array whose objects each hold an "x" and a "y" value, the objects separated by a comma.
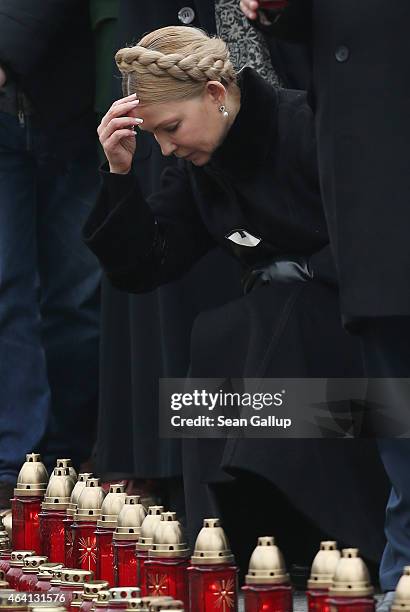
[{"x": 246, "y": 181}]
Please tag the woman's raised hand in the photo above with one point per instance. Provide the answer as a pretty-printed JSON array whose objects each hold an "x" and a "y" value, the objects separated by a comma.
[
  {"x": 117, "y": 135},
  {"x": 249, "y": 8}
]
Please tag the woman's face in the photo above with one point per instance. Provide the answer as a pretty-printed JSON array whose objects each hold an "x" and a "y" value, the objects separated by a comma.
[{"x": 191, "y": 129}]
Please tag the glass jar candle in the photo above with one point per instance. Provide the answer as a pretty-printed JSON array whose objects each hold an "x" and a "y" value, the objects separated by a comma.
[
  {"x": 85, "y": 520},
  {"x": 321, "y": 576},
  {"x": 90, "y": 593},
  {"x": 267, "y": 583},
  {"x": 125, "y": 537},
  {"x": 26, "y": 504},
  {"x": 212, "y": 575},
  {"x": 351, "y": 590},
  {"x": 144, "y": 542},
  {"x": 69, "y": 519},
  {"x": 168, "y": 560},
  {"x": 73, "y": 580},
  {"x": 106, "y": 526},
  {"x": 28, "y": 578},
  {"x": 16, "y": 566}
]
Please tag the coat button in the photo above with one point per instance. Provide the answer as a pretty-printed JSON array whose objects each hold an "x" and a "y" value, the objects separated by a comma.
[
  {"x": 186, "y": 15},
  {"x": 342, "y": 53}
]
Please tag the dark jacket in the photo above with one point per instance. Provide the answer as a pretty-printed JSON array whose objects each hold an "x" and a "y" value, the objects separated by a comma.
[
  {"x": 361, "y": 56},
  {"x": 262, "y": 180},
  {"x": 47, "y": 49}
]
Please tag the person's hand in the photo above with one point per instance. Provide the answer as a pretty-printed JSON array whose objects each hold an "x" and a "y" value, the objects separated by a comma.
[
  {"x": 3, "y": 77},
  {"x": 117, "y": 135},
  {"x": 250, "y": 8}
]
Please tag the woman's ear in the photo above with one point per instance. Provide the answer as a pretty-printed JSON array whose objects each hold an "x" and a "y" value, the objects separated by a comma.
[{"x": 216, "y": 91}]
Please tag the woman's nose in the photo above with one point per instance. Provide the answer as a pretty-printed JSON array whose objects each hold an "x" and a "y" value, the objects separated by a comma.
[{"x": 167, "y": 148}]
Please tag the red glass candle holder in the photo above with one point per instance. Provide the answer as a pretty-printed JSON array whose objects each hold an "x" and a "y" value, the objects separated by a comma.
[
  {"x": 84, "y": 555},
  {"x": 144, "y": 542},
  {"x": 26, "y": 504},
  {"x": 351, "y": 590},
  {"x": 317, "y": 600},
  {"x": 68, "y": 540},
  {"x": 120, "y": 596},
  {"x": 125, "y": 563},
  {"x": 5, "y": 557},
  {"x": 267, "y": 582},
  {"x": 213, "y": 586},
  {"x": 90, "y": 594},
  {"x": 26, "y": 524},
  {"x": 167, "y": 576},
  {"x": 105, "y": 554},
  {"x": 16, "y": 566},
  {"x": 44, "y": 576},
  {"x": 72, "y": 580},
  {"x": 271, "y": 598},
  {"x": 351, "y": 604},
  {"x": 141, "y": 557},
  {"x": 52, "y": 535},
  {"x": 28, "y": 578}
]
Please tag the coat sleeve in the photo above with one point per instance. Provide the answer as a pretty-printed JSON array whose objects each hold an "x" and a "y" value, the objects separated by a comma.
[
  {"x": 143, "y": 244},
  {"x": 294, "y": 24},
  {"x": 26, "y": 29}
]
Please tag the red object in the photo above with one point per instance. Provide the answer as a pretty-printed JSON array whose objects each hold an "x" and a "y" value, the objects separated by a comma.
[
  {"x": 42, "y": 585},
  {"x": 141, "y": 556},
  {"x": 52, "y": 535},
  {"x": 26, "y": 524},
  {"x": 213, "y": 587},
  {"x": 167, "y": 576},
  {"x": 66, "y": 594},
  {"x": 13, "y": 576},
  {"x": 68, "y": 541},
  {"x": 105, "y": 555},
  {"x": 351, "y": 604},
  {"x": 125, "y": 563},
  {"x": 86, "y": 605},
  {"x": 84, "y": 545},
  {"x": 274, "y": 5},
  {"x": 27, "y": 582},
  {"x": 55, "y": 589},
  {"x": 269, "y": 598},
  {"x": 317, "y": 600},
  {"x": 5, "y": 561}
]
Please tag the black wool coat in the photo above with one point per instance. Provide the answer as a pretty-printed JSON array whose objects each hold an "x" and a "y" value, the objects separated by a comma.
[
  {"x": 360, "y": 93},
  {"x": 147, "y": 336},
  {"x": 262, "y": 182}
]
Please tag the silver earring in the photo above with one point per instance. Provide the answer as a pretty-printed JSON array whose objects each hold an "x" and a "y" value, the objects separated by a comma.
[{"x": 222, "y": 109}]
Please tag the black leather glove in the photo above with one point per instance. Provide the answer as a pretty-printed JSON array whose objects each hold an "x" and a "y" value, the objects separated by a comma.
[{"x": 287, "y": 270}]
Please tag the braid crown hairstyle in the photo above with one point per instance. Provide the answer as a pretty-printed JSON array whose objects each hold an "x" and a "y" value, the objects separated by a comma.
[{"x": 174, "y": 63}]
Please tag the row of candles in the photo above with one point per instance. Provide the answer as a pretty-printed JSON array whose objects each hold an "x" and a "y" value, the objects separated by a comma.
[{"x": 69, "y": 529}]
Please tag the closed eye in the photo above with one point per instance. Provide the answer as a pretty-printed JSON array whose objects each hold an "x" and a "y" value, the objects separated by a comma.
[{"x": 172, "y": 128}]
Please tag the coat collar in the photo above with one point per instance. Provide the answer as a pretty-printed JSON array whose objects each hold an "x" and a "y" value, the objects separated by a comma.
[{"x": 253, "y": 132}]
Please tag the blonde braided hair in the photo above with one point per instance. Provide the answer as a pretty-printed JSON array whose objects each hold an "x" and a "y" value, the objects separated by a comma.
[{"x": 173, "y": 63}]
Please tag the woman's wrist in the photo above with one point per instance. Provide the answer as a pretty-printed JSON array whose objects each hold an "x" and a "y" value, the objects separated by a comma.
[{"x": 114, "y": 170}]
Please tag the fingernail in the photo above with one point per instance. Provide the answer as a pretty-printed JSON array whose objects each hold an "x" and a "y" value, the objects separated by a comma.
[{"x": 138, "y": 120}]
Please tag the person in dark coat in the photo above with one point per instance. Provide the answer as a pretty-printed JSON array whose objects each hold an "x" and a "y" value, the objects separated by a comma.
[
  {"x": 147, "y": 337},
  {"x": 360, "y": 56},
  {"x": 135, "y": 355},
  {"x": 49, "y": 283},
  {"x": 249, "y": 177}
]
